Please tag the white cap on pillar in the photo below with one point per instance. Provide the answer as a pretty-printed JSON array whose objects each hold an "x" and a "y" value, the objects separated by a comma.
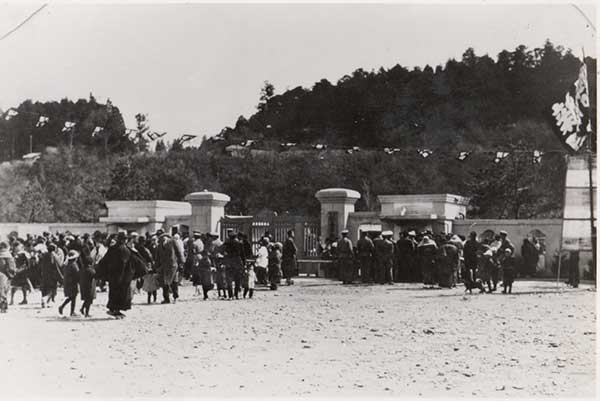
[
  {"x": 207, "y": 197},
  {"x": 337, "y": 195}
]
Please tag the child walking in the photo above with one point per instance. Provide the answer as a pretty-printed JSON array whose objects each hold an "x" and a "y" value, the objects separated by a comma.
[
  {"x": 249, "y": 281},
  {"x": 205, "y": 268},
  {"x": 221, "y": 281},
  {"x": 508, "y": 271},
  {"x": 150, "y": 285},
  {"x": 71, "y": 282}
]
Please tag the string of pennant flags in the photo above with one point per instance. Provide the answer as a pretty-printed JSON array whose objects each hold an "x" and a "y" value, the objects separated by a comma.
[
  {"x": 423, "y": 152},
  {"x": 69, "y": 126}
]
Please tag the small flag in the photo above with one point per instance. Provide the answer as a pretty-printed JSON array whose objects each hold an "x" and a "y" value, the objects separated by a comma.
[
  {"x": 131, "y": 132},
  {"x": 463, "y": 155},
  {"x": 500, "y": 156},
  {"x": 97, "y": 131},
  {"x": 425, "y": 153},
  {"x": 43, "y": 120},
  {"x": 68, "y": 126},
  {"x": 186, "y": 138},
  {"x": 155, "y": 135},
  {"x": 537, "y": 156},
  {"x": 10, "y": 114}
]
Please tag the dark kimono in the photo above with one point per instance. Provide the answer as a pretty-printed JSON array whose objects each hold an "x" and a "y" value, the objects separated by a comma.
[
  {"x": 119, "y": 267},
  {"x": 288, "y": 262},
  {"x": 274, "y": 266},
  {"x": 508, "y": 270},
  {"x": 427, "y": 259},
  {"x": 447, "y": 263},
  {"x": 71, "y": 281},
  {"x": 50, "y": 273},
  {"x": 20, "y": 279}
]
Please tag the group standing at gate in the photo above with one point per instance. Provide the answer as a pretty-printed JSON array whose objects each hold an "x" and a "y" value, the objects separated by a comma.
[{"x": 436, "y": 260}]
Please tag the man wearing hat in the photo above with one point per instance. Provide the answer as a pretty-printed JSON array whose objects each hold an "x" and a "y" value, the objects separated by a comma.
[
  {"x": 194, "y": 248},
  {"x": 470, "y": 252},
  {"x": 233, "y": 255},
  {"x": 365, "y": 250},
  {"x": 505, "y": 243},
  {"x": 387, "y": 251},
  {"x": 346, "y": 261},
  {"x": 71, "y": 281},
  {"x": 168, "y": 259},
  {"x": 288, "y": 262},
  {"x": 404, "y": 255}
]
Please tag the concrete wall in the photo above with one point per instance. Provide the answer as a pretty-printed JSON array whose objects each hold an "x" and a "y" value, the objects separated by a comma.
[{"x": 517, "y": 230}]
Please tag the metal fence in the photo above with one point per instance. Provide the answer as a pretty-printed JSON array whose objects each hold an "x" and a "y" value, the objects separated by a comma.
[{"x": 307, "y": 231}]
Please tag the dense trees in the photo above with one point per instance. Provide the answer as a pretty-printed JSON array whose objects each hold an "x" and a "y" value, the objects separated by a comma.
[{"x": 476, "y": 104}]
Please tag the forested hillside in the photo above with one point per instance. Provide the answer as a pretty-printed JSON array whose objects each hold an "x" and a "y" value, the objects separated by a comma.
[{"x": 478, "y": 105}]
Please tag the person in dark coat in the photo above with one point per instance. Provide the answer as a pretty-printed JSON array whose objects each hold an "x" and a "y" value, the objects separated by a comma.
[
  {"x": 345, "y": 258},
  {"x": 427, "y": 250},
  {"x": 288, "y": 261},
  {"x": 20, "y": 279},
  {"x": 530, "y": 255},
  {"x": 470, "y": 253},
  {"x": 573, "y": 269},
  {"x": 87, "y": 286},
  {"x": 405, "y": 255},
  {"x": 508, "y": 270},
  {"x": 119, "y": 266},
  {"x": 385, "y": 258},
  {"x": 365, "y": 251},
  {"x": 51, "y": 274},
  {"x": 234, "y": 262},
  {"x": 167, "y": 261},
  {"x": 447, "y": 263},
  {"x": 205, "y": 267},
  {"x": 71, "y": 282}
]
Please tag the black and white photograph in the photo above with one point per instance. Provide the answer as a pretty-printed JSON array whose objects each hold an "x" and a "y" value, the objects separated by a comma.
[{"x": 298, "y": 200}]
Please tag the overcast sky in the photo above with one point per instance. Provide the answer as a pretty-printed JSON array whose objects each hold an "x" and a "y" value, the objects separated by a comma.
[{"x": 195, "y": 68}]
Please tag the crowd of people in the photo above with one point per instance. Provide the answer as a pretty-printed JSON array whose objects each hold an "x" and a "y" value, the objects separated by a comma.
[
  {"x": 434, "y": 259},
  {"x": 126, "y": 263}
]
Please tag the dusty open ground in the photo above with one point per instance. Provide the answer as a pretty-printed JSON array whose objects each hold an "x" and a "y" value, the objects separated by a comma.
[{"x": 315, "y": 338}]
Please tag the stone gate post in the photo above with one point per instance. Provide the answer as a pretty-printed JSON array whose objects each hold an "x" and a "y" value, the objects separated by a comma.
[
  {"x": 207, "y": 210},
  {"x": 336, "y": 205}
]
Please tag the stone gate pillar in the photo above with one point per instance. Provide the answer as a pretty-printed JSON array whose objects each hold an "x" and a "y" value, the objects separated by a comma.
[
  {"x": 207, "y": 210},
  {"x": 336, "y": 205}
]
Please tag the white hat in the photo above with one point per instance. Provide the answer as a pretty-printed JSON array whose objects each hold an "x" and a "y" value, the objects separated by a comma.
[
  {"x": 73, "y": 254},
  {"x": 40, "y": 248},
  {"x": 387, "y": 234},
  {"x": 412, "y": 232},
  {"x": 344, "y": 232}
]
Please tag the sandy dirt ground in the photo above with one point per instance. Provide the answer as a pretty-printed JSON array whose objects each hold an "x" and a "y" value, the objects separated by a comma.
[{"x": 316, "y": 338}]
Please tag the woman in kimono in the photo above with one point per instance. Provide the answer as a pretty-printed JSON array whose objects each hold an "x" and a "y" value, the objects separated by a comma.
[
  {"x": 426, "y": 250},
  {"x": 275, "y": 265},
  {"x": 7, "y": 271},
  {"x": 71, "y": 282},
  {"x": 51, "y": 275}
]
